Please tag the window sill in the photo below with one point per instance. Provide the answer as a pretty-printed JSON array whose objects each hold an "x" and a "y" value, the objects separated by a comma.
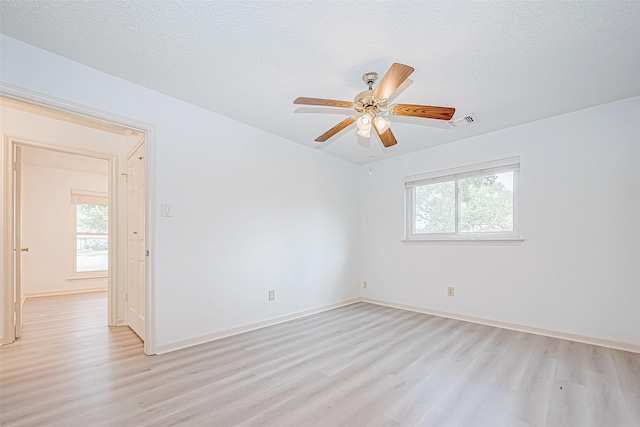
[
  {"x": 88, "y": 277},
  {"x": 479, "y": 241}
]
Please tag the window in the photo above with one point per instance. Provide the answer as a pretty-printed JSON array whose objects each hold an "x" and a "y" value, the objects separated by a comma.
[
  {"x": 472, "y": 202},
  {"x": 91, "y": 234}
]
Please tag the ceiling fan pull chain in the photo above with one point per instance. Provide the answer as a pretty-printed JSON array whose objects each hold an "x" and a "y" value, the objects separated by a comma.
[{"x": 370, "y": 158}]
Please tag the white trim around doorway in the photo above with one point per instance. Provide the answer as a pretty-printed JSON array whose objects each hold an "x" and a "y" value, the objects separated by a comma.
[{"x": 104, "y": 119}]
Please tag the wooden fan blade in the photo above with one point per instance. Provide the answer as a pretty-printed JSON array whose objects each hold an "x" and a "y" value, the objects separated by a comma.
[
  {"x": 323, "y": 102},
  {"x": 424, "y": 111},
  {"x": 391, "y": 81},
  {"x": 337, "y": 128},
  {"x": 388, "y": 138}
]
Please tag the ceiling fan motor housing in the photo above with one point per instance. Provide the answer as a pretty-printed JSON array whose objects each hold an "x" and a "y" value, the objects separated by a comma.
[{"x": 366, "y": 102}]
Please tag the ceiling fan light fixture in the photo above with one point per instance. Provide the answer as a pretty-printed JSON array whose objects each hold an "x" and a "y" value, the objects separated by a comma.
[
  {"x": 364, "y": 124},
  {"x": 364, "y": 121},
  {"x": 381, "y": 124},
  {"x": 366, "y": 133}
]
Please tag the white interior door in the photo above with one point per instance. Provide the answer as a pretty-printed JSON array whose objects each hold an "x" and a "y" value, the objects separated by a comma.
[
  {"x": 19, "y": 250},
  {"x": 136, "y": 252}
]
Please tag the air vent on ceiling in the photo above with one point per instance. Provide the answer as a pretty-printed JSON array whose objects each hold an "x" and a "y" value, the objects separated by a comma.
[{"x": 463, "y": 121}]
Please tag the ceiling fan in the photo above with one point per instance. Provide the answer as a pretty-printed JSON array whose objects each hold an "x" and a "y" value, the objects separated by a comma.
[{"x": 371, "y": 104}]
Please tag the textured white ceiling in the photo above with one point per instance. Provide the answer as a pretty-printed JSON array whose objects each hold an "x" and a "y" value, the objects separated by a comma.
[{"x": 508, "y": 62}]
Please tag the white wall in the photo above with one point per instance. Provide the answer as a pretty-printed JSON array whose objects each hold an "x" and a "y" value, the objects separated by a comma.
[
  {"x": 577, "y": 270},
  {"x": 48, "y": 225},
  {"x": 251, "y": 211}
]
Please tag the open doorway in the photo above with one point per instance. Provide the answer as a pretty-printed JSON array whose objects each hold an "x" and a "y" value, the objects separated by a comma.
[
  {"x": 62, "y": 212},
  {"x": 75, "y": 142},
  {"x": 65, "y": 222}
]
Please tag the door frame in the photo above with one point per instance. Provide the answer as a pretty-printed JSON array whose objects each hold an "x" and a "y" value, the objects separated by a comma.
[
  {"x": 101, "y": 118},
  {"x": 11, "y": 143},
  {"x": 17, "y": 211}
]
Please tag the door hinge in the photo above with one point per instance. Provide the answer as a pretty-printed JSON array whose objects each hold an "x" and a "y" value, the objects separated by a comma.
[{"x": 147, "y": 252}]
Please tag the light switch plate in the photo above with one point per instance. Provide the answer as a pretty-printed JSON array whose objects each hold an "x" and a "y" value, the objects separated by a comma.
[{"x": 165, "y": 210}]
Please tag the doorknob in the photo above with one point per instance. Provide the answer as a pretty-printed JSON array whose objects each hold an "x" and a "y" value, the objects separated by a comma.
[{"x": 25, "y": 249}]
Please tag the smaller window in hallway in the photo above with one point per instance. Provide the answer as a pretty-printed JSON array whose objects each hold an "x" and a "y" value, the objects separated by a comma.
[{"x": 92, "y": 226}]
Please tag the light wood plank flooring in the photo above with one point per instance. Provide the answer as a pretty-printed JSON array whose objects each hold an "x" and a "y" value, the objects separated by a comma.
[{"x": 360, "y": 365}]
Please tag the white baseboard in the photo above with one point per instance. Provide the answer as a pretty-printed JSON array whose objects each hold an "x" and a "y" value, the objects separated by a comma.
[
  {"x": 166, "y": 348},
  {"x": 626, "y": 346},
  {"x": 64, "y": 292},
  {"x": 635, "y": 348}
]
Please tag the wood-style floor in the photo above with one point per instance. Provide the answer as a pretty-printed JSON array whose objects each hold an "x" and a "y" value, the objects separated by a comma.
[{"x": 360, "y": 365}]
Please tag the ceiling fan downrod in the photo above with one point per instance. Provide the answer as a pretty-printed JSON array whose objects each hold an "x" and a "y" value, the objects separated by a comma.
[{"x": 370, "y": 78}]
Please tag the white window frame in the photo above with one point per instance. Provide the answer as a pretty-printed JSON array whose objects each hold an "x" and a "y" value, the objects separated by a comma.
[
  {"x": 84, "y": 197},
  {"x": 511, "y": 164}
]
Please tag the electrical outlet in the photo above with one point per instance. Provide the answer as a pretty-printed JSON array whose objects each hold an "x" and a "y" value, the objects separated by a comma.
[
  {"x": 272, "y": 295},
  {"x": 450, "y": 291},
  {"x": 364, "y": 284}
]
